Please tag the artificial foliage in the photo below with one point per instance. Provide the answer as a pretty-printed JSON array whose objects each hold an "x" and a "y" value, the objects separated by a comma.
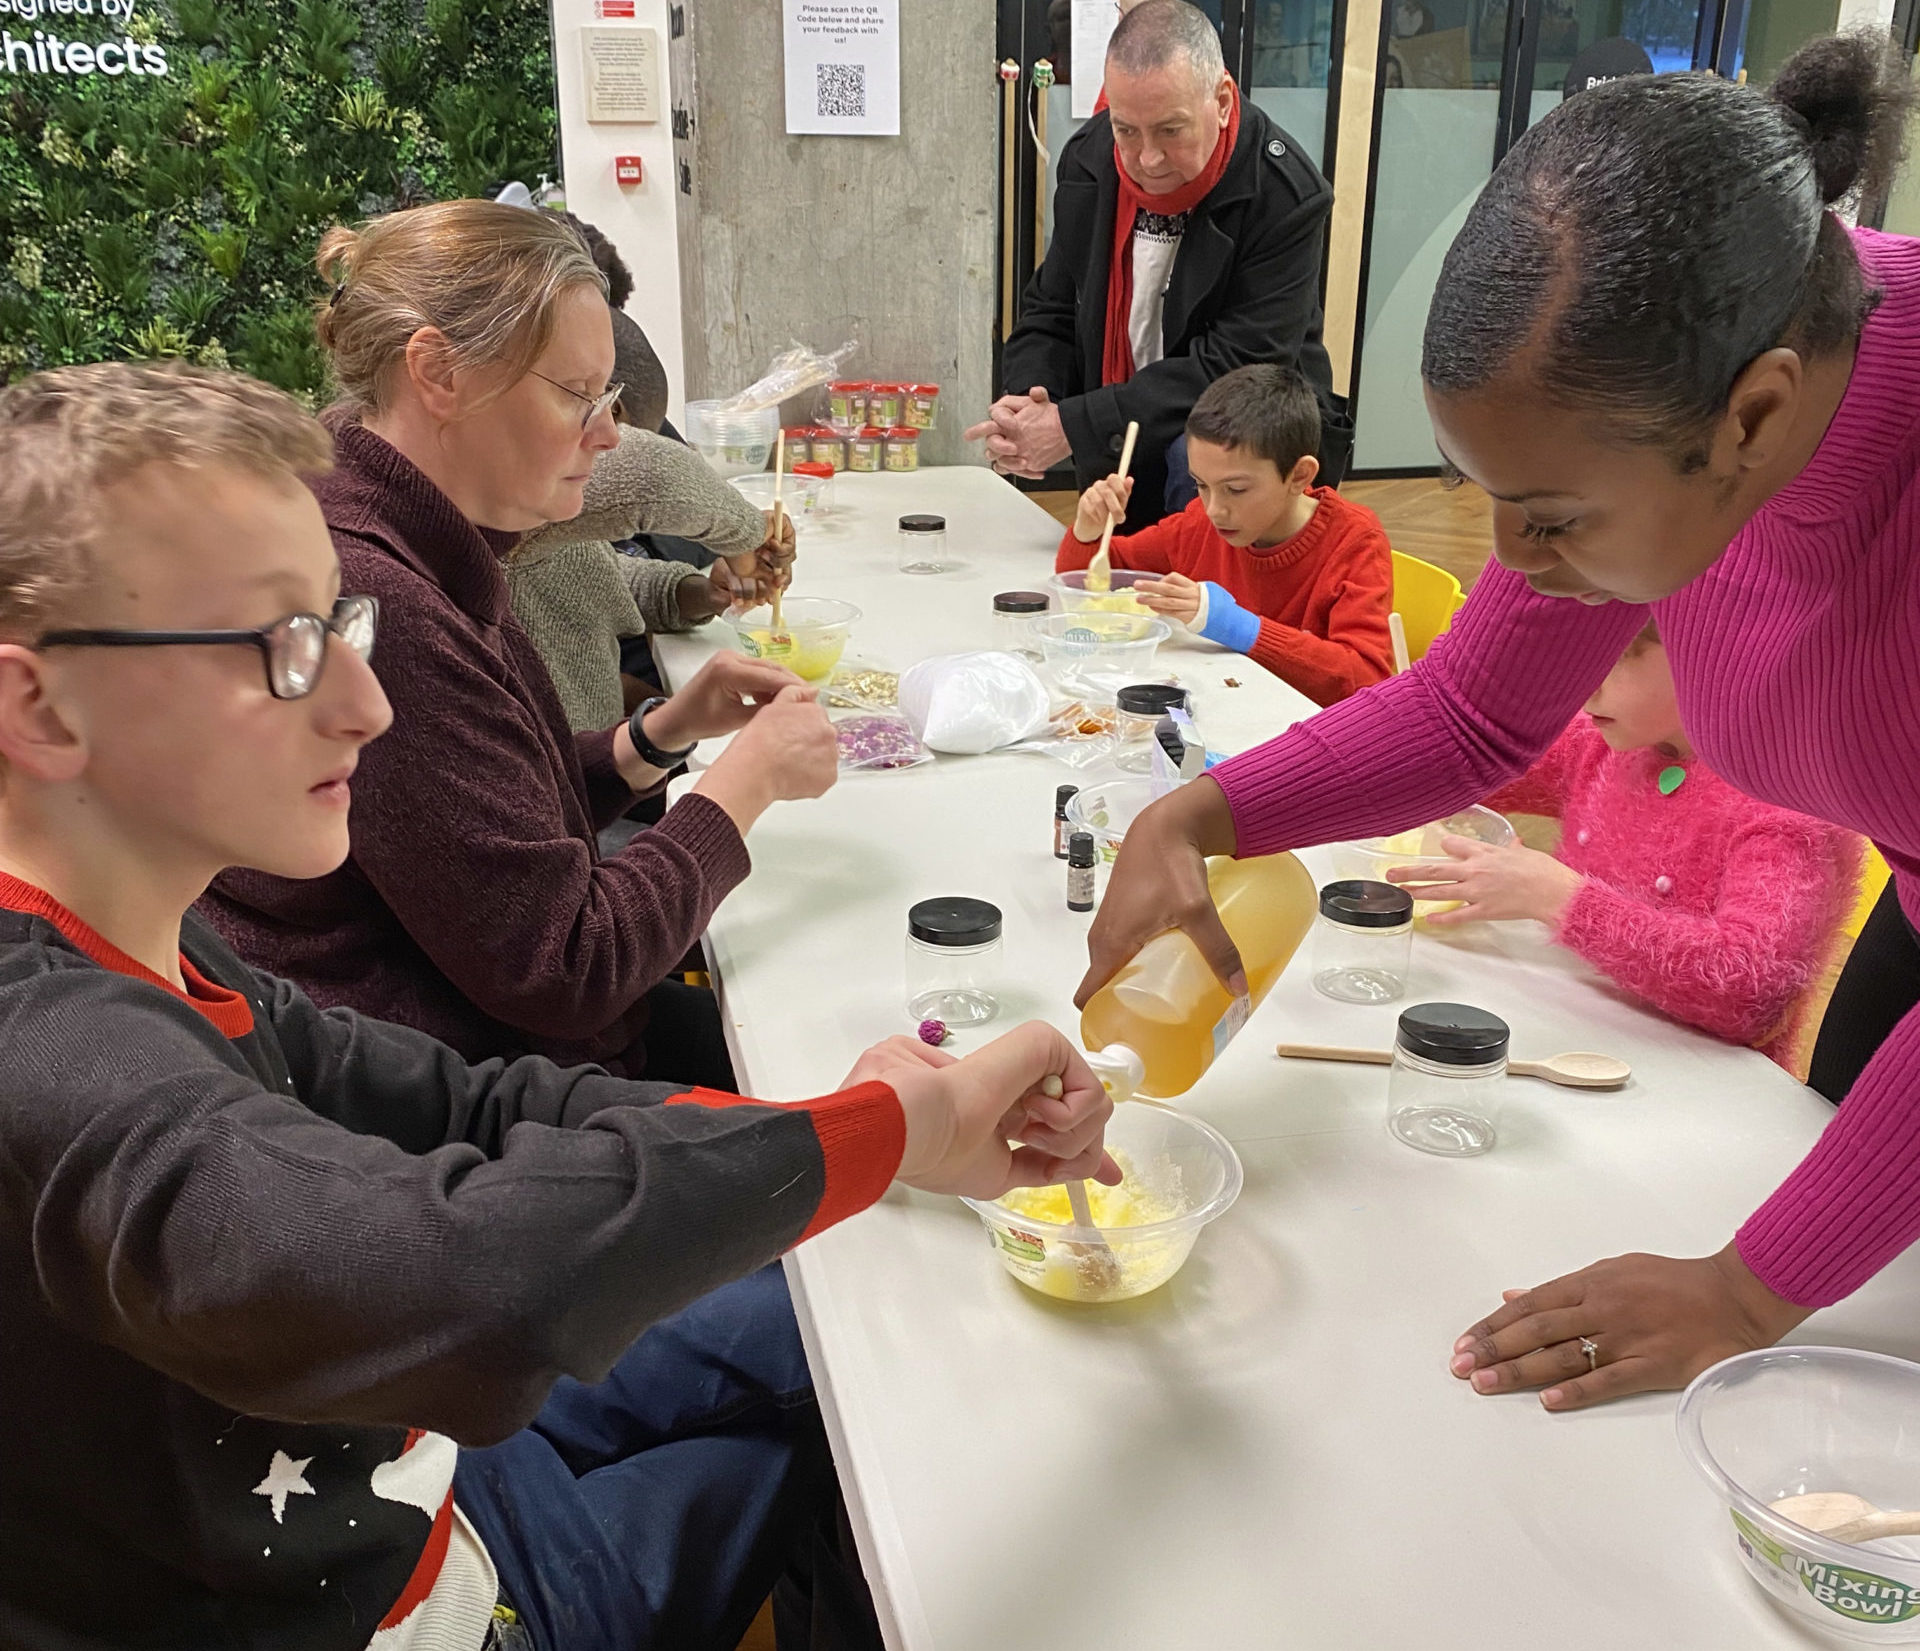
[{"x": 178, "y": 214}]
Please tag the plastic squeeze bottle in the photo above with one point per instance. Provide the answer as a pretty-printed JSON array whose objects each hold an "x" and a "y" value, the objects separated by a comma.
[{"x": 1168, "y": 1010}]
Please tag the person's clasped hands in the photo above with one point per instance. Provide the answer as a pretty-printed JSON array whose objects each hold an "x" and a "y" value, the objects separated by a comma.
[
  {"x": 1024, "y": 435},
  {"x": 754, "y": 575}
]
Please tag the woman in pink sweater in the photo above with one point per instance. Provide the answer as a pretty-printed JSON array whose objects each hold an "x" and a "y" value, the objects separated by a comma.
[
  {"x": 1716, "y": 909},
  {"x": 1684, "y": 384}
]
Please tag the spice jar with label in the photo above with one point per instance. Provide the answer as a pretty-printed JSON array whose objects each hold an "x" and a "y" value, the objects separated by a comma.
[
  {"x": 903, "y": 448},
  {"x": 1362, "y": 941},
  {"x": 922, "y": 406},
  {"x": 1013, "y": 615},
  {"x": 953, "y": 960},
  {"x": 829, "y": 446},
  {"x": 847, "y": 404},
  {"x": 886, "y": 404},
  {"x": 923, "y": 545},
  {"x": 822, "y": 473},
  {"x": 866, "y": 448},
  {"x": 799, "y": 443},
  {"x": 1448, "y": 1085}
]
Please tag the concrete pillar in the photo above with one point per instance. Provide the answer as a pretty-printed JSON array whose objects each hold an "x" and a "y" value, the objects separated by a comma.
[{"x": 890, "y": 240}]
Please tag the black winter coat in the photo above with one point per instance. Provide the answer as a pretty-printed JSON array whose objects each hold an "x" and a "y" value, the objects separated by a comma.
[{"x": 1245, "y": 287}]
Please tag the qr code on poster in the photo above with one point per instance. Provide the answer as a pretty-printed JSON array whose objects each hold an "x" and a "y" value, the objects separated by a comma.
[{"x": 840, "y": 90}]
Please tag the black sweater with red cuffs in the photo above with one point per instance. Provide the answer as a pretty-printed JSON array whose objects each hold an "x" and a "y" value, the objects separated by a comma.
[{"x": 247, "y": 1244}]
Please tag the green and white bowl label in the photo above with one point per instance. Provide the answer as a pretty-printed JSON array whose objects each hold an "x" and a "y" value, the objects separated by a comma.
[{"x": 1858, "y": 1596}]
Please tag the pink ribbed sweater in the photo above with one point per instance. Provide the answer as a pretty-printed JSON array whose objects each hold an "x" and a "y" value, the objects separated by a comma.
[
  {"x": 1716, "y": 909},
  {"x": 1797, "y": 659}
]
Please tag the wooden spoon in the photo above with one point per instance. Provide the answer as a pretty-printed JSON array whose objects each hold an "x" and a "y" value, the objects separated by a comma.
[
  {"x": 777, "y": 634},
  {"x": 1099, "y": 1266},
  {"x": 1100, "y": 569},
  {"x": 1840, "y": 1516},
  {"x": 1574, "y": 1070}
]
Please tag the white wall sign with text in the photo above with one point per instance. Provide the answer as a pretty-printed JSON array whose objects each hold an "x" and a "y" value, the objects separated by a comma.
[
  {"x": 843, "y": 67},
  {"x": 1093, "y": 24},
  {"x": 620, "y": 72}
]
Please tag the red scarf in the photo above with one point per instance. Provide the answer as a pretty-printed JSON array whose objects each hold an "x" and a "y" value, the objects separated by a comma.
[{"x": 1116, "y": 365}]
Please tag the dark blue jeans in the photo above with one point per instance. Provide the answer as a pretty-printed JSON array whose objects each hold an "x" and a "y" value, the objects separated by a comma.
[
  {"x": 659, "y": 1508},
  {"x": 1180, "y": 491}
]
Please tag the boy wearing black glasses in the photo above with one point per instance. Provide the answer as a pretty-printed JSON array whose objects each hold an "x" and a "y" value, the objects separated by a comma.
[{"x": 261, "y": 1266}]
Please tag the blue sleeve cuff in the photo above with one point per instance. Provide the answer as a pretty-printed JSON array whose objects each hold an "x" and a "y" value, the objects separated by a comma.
[{"x": 1228, "y": 623}]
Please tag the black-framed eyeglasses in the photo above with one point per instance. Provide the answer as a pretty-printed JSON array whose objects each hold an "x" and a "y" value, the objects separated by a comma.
[
  {"x": 294, "y": 648},
  {"x": 596, "y": 405}
]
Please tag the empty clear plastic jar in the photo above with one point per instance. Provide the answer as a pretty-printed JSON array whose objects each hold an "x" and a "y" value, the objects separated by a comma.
[
  {"x": 1362, "y": 942},
  {"x": 1013, "y": 612},
  {"x": 923, "y": 545},
  {"x": 1448, "y": 1085},
  {"x": 1138, "y": 709},
  {"x": 953, "y": 960}
]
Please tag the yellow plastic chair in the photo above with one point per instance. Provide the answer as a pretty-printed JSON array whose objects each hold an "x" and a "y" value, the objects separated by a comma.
[
  {"x": 1873, "y": 878},
  {"x": 1426, "y": 598}
]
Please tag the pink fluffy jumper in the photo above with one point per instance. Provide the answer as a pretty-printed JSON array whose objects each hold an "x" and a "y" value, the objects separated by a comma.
[
  {"x": 1797, "y": 661},
  {"x": 1718, "y": 910}
]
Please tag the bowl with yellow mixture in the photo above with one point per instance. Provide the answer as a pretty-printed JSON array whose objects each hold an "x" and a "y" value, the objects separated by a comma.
[
  {"x": 1180, "y": 1174},
  {"x": 812, "y": 635},
  {"x": 1371, "y": 857},
  {"x": 1070, "y": 593}
]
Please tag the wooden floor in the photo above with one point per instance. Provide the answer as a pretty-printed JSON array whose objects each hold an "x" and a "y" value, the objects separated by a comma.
[{"x": 1451, "y": 527}]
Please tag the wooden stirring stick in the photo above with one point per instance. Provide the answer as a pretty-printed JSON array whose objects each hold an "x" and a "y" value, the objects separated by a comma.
[
  {"x": 1100, "y": 569},
  {"x": 1574, "y": 1070},
  {"x": 1397, "y": 629},
  {"x": 779, "y": 526}
]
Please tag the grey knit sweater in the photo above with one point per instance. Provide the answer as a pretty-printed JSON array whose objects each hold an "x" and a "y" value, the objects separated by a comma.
[{"x": 578, "y": 597}]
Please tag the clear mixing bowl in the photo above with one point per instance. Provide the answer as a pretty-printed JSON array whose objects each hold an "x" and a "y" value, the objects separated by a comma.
[
  {"x": 1070, "y": 593},
  {"x": 1106, "y": 811},
  {"x": 1176, "y": 1164},
  {"x": 1371, "y": 856},
  {"x": 812, "y": 637},
  {"x": 803, "y": 497},
  {"x": 1787, "y": 1421},
  {"x": 1098, "y": 654}
]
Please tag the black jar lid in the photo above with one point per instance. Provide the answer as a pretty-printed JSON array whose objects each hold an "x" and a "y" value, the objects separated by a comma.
[
  {"x": 954, "y": 920},
  {"x": 1150, "y": 699},
  {"x": 1453, "y": 1034},
  {"x": 1361, "y": 904},
  {"x": 1021, "y": 601},
  {"x": 923, "y": 524},
  {"x": 1062, "y": 795}
]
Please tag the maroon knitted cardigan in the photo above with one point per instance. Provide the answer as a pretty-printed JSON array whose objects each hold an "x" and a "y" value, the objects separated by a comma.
[{"x": 475, "y": 904}]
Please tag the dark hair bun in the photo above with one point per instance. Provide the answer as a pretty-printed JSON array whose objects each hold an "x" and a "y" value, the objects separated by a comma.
[{"x": 1851, "y": 94}]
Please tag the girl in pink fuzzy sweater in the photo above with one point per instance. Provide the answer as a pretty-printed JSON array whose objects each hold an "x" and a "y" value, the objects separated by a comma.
[{"x": 1716, "y": 909}]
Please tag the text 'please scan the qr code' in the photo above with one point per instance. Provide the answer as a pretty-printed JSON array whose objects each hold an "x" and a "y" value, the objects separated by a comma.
[{"x": 840, "y": 90}]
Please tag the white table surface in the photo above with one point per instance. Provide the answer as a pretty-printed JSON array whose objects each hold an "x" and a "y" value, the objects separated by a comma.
[{"x": 1269, "y": 1450}]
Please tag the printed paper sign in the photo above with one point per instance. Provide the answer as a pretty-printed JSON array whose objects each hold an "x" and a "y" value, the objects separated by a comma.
[
  {"x": 619, "y": 70},
  {"x": 1093, "y": 25},
  {"x": 843, "y": 67}
]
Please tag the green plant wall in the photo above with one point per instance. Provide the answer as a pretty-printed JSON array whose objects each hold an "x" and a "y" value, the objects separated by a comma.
[{"x": 176, "y": 214}]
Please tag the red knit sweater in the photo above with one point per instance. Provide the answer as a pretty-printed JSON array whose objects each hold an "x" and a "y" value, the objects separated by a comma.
[{"x": 1322, "y": 596}]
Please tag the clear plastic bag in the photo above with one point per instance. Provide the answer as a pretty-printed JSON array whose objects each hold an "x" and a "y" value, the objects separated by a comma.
[
  {"x": 878, "y": 741},
  {"x": 1077, "y": 734},
  {"x": 794, "y": 370},
  {"x": 970, "y": 703},
  {"x": 863, "y": 688}
]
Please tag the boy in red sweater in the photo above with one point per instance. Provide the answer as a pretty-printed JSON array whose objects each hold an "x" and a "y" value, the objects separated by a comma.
[{"x": 1263, "y": 562}]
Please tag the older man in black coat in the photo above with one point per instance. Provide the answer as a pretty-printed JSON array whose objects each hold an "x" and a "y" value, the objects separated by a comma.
[{"x": 1221, "y": 266}]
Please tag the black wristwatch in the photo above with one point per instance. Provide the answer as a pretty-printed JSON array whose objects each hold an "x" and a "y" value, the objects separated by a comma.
[{"x": 649, "y": 753}]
